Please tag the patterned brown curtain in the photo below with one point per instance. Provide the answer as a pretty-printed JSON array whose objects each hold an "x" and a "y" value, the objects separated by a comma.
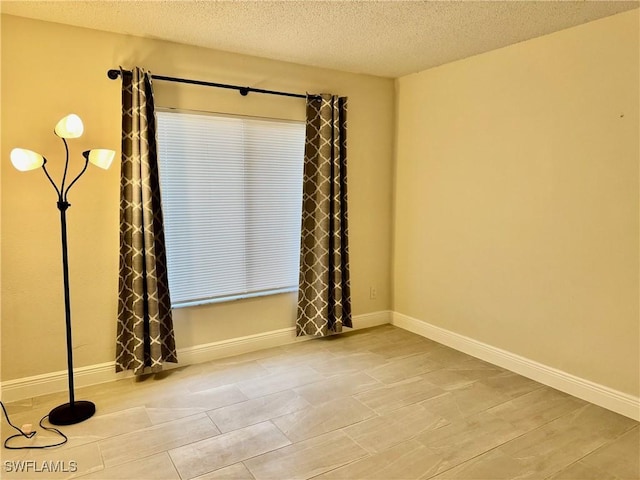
[
  {"x": 324, "y": 295},
  {"x": 145, "y": 337}
]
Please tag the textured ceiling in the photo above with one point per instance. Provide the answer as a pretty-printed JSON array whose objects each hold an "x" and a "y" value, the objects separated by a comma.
[{"x": 385, "y": 38}]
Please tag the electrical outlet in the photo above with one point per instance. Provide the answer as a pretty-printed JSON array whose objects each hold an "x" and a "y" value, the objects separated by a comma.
[{"x": 373, "y": 293}]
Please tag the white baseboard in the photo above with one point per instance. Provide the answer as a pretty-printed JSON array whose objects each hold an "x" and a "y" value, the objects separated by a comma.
[
  {"x": 28, "y": 387},
  {"x": 606, "y": 397}
]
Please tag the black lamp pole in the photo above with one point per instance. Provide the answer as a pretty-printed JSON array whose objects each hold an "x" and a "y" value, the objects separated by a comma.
[{"x": 74, "y": 411}]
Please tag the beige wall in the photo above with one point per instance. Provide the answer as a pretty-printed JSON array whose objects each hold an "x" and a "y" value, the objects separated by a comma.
[
  {"x": 516, "y": 219},
  {"x": 49, "y": 70}
]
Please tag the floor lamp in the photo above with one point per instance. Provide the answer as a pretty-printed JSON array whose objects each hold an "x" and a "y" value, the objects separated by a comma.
[{"x": 25, "y": 160}]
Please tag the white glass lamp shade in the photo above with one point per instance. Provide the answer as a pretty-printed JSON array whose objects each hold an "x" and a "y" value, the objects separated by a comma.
[
  {"x": 100, "y": 157},
  {"x": 25, "y": 160},
  {"x": 69, "y": 127}
]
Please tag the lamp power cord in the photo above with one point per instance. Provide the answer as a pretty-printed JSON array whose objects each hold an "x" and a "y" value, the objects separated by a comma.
[{"x": 31, "y": 434}]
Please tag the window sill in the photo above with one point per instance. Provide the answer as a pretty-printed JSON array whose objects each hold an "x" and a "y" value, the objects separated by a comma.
[{"x": 232, "y": 298}]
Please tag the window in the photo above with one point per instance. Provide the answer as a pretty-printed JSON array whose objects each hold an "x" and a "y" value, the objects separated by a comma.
[{"x": 232, "y": 198}]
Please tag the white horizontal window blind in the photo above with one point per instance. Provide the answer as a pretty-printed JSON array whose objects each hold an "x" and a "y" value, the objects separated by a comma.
[{"x": 232, "y": 197}]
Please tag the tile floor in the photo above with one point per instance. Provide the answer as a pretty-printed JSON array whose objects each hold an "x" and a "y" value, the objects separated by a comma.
[{"x": 380, "y": 403}]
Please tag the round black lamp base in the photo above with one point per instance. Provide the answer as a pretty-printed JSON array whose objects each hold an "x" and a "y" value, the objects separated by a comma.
[{"x": 68, "y": 414}]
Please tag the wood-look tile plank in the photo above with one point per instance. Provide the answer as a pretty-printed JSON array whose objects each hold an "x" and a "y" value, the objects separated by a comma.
[
  {"x": 228, "y": 375},
  {"x": 448, "y": 356},
  {"x": 109, "y": 425},
  {"x": 549, "y": 449},
  {"x": 159, "y": 438},
  {"x": 466, "y": 438},
  {"x": 156, "y": 467},
  {"x": 394, "y": 334},
  {"x": 248, "y": 357},
  {"x": 257, "y": 410},
  {"x": 326, "y": 417},
  {"x": 536, "y": 408},
  {"x": 306, "y": 459},
  {"x": 493, "y": 465},
  {"x": 278, "y": 382},
  {"x": 93, "y": 429},
  {"x": 169, "y": 414},
  {"x": 476, "y": 369},
  {"x": 398, "y": 369},
  {"x": 215, "y": 453},
  {"x": 352, "y": 342},
  {"x": 465, "y": 401},
  {"x": 558, "y": 444},
  {"x": 349, "y": 363},
  {"x": 401, "y": 349},
  {"x": 381, "y": 432},
  {"x": 391, "y": 397},
  {"x": 129, "y": 394},
  {"x": 307, "y": 354},
  {"x": 205, "y": 400},
  {"x": 237, "y": 471},
  {"x": 406, "y": 461},
  {"x": 59, "y": 463},
  {"x": 337, "y": 386},
  {"x": 511, "y": 384},
  {"x": 582, "y": 471},
  {"x": 447, "y": 378},
  {"x": 620, "y": 457},
  {"x": 555, "y": 447}
]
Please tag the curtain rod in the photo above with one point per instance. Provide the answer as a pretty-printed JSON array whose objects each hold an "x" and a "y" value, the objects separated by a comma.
[{"x": 113, "y": 74}]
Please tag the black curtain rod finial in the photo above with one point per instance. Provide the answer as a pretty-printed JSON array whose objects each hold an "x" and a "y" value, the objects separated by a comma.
[{"x": 113, "y": 74}]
